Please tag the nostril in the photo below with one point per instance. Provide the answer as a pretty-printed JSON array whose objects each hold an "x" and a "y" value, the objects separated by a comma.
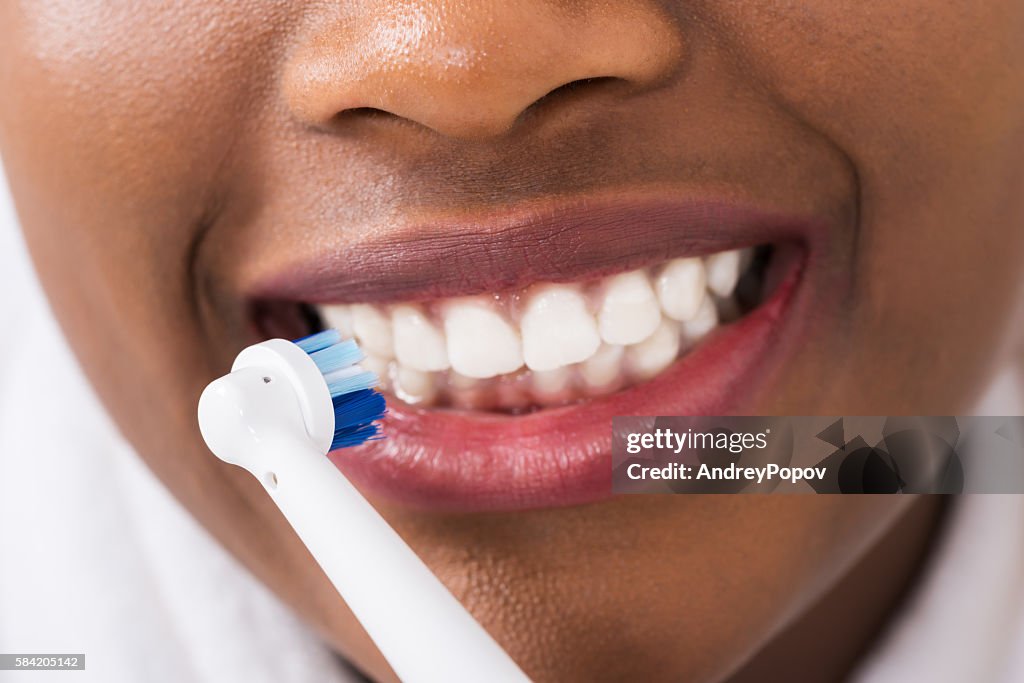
[
  {"x": 567, "y": 92},
  {"x": 470, "y": 74},
  {"x": 574, "y": 88},
  {"x": 363, "y": 113},
  {"x": 579, "y": 84}
]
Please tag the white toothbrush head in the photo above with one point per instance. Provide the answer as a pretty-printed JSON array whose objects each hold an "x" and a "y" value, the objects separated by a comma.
[{"x": 312, "y": 388}]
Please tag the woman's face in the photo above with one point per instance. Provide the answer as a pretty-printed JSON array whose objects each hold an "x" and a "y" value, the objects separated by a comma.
[{"x": 188, "y": 174}]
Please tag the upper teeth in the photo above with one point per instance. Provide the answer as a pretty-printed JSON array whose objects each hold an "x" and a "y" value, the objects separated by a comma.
[
  {"x": 419, "y": 344},
  {"x": 631, "y": 324},
  {"x": 723, "y": 272},
  {"x": 630, "y": 312},
  {"x": 481, "y": 341},
  {"x": 373, "y": 330},
  {"x": 557, "y": 328},
  {"x": 681, "y": 288}
]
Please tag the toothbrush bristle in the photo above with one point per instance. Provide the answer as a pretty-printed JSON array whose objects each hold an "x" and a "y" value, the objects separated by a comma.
[
  {"x": 355, "y": 416},
  {"x": 340, "y": 356},
  {"x": 316, "y": 342},
  {"x": 357, "y": 407}
]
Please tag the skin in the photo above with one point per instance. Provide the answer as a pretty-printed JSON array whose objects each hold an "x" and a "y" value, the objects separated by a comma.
[{"x": 162, "y": 157}]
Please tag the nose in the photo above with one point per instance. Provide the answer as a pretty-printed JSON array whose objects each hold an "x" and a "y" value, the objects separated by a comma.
[{"x": 470, "y": 69}]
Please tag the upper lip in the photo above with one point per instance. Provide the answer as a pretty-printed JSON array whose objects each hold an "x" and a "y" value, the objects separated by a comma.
[{"x": 456, "y": 256}]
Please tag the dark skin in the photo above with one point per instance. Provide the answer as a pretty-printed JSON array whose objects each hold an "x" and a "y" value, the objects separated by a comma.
[{"x": 161, "y": 158}]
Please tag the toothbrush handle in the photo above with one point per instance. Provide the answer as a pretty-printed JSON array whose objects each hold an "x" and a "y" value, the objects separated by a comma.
[{"x": 425, "y": 634}]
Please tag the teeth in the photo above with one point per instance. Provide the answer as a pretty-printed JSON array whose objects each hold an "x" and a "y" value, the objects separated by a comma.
[
  {"x": 549, "y": 345},
  {"x": 338, "y": 317},
  {"x": 557, "y": 328},
  {"x": 604, "y": 368},
  {"x": 373, "y": 330},
  {"x": 481, "y": 343},
  {"x": 552, "y": 386},
  {"x": 723, "y": 271},
  {"x": 654, "y": 354},
  {"x": 419, "y": 344},
  {"x": 681, "y": 288},
  {"x": 703, "y": 322},
  {"x": 379, "y": 366},
  {"x": 415, "y": 386},
  {"x": 629, "y": 312}
]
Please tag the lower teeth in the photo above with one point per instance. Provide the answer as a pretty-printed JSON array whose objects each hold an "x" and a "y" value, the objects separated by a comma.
[{"x": 551, "y": 344}]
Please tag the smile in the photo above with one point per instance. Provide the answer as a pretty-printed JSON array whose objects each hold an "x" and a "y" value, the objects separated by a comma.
[
  {"x": 550, "y": 344},
  {"x": 503, "y": 368}
]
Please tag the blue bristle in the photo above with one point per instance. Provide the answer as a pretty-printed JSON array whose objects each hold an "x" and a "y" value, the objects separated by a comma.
[
  {"x": 340, "y": 355},
  {"x": 354, "y": 417},
  {"x": 357, "y": 406},
  {"x": 356, "y": 436},
  {"x": 340, "y": 384},
  {"x": 316, "y": 342}
]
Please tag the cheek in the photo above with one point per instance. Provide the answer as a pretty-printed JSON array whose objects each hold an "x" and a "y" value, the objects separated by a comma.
[
  {"x": 116, "y": 92},
  {"x": 111, "y": 142},
  {"x": 934, "y": 135},
  {"x": 113, "y": 138}
]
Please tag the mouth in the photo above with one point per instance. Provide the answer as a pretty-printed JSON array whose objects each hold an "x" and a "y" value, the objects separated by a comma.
[{"x": 506, "y": 346}]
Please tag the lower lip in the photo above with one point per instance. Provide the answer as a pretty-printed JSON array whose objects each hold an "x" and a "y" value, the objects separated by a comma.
[{"x": 473, "y": 462}]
